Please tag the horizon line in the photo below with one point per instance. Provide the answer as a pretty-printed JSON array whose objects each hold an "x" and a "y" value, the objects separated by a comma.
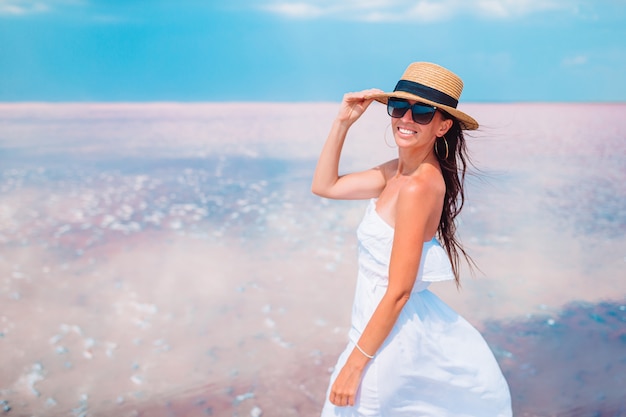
[{"x": 192, "y": 102}]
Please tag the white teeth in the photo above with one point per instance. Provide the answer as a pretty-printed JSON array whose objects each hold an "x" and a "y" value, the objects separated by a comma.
[{"x": 406, "y": 131}]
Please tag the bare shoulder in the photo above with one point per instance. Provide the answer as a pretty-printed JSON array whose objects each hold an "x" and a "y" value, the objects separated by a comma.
[
  {"x": 419, "y": 204},
  {"x": 426, "y": 184}
]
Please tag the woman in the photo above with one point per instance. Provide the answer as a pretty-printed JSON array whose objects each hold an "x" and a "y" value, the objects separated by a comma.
[{"x": 409, "y": 354}]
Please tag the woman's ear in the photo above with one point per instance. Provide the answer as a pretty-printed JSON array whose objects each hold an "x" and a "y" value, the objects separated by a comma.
[{"x": 444, "y": 127}]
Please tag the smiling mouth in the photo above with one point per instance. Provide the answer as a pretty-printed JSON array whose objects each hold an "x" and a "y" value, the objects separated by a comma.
[{"x": 406, "y": 131}]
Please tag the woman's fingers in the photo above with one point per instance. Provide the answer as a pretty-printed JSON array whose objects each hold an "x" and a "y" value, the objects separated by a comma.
[
  {"x": 355, "y": 103},
  {"x": 361, "y": 96},
  {"x": 372, "y": 92},
  {"x": 365, "y": 93},
  {"x": 341, "y": 399},
  {"x": 344, "y": 389}
]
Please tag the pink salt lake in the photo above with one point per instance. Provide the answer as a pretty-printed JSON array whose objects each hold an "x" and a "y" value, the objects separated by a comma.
[{"x": 169, "y": 259}]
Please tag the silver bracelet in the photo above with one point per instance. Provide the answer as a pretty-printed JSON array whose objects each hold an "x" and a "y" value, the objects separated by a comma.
[{"x": 363, "y": 352}]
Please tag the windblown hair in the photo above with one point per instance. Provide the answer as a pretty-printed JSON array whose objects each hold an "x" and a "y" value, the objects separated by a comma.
[{"x": 453, "y": 169}]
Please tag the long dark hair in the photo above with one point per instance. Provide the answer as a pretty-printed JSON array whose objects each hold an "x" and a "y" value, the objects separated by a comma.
[{"x": 453, "y": 160}]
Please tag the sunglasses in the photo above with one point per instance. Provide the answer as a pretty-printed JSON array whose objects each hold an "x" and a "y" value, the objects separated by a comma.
[{"x": 422, "y": 113}]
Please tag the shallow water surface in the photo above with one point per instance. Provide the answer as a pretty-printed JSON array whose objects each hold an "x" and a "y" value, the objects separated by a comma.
[{"x": 170, "y": 260}]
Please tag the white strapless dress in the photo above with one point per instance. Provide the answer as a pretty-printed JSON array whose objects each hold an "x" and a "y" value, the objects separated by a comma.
[{"x": 433, "y": 363}]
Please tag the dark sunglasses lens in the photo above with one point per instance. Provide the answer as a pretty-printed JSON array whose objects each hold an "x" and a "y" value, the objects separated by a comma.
[
  {"x": 397, "y": 107},
  {"x": 422, "y": 113}
]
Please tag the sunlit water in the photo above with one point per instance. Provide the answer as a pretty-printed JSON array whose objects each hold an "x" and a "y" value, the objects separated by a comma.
[{"x": 170, "y": 260}]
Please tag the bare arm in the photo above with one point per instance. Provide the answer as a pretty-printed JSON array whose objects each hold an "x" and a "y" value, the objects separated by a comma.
[
  {"x": 326, "y": 181},
  {"x": 417, "y": 203}
]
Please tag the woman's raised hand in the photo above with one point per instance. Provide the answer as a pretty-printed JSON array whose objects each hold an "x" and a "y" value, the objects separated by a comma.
[
  {"x": 326, "y": 180},
  {"x": 354, "y": 105}
]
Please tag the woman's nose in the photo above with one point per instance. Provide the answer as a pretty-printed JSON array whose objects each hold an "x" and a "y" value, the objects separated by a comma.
[{"x": 407, "y": 116}]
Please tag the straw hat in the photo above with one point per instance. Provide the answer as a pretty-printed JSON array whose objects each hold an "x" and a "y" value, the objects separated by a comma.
[{"x": 431, "y": 84}]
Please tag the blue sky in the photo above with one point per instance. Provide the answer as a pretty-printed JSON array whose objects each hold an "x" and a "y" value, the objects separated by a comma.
[{"x": 309, "y": 50}]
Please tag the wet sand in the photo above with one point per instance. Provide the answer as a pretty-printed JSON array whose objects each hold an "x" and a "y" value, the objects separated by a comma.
[{"x": 168, "y": 260}]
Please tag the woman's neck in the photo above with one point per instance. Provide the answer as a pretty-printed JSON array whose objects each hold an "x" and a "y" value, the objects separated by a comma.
[{"x": 410, "y": 160}]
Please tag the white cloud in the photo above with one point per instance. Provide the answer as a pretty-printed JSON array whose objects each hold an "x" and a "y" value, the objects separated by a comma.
[
  {"x": 420, "y": 10},
  {"x": 26, "y": 7},
  {"x": 296, "y": 10},
  {"x": 575, "y": 61},
  {"x": 514, "y": 8},
  {"x": 431, "y": 11},
  {"x": 22, "y": 7}
]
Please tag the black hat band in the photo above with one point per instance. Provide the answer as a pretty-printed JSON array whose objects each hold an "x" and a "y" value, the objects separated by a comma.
[{"x": 426, "y": 92}]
